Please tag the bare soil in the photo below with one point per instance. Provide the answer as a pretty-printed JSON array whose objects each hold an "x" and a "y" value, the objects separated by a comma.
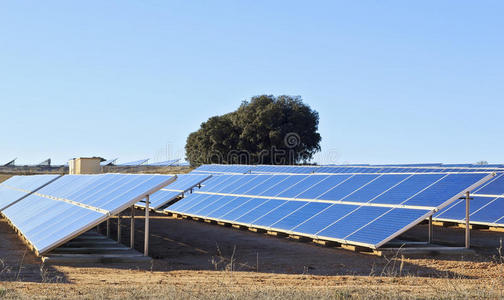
[{"x": 195, "y": 260}]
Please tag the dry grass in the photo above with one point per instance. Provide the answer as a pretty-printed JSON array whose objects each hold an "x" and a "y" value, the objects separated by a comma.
[
  {"x": 226, "y": 283},
  {"x": 243, "y": 285}
]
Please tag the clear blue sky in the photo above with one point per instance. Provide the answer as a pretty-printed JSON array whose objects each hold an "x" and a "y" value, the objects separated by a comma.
[{"x": 393, "y": 81}]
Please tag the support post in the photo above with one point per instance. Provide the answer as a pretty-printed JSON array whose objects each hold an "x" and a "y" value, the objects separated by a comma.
[
  {"x": 119, "y": 227},
  {"x": 146, "y": 238},
  {"x": 108, "y": 228},
  {"x": 132, "y": 228},
  {"x": 468, "y": 228},
  {"x": 430, "y": 230}
]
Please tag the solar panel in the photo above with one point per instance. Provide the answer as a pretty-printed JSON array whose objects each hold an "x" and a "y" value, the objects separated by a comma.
[
  {"x": 181, "y": 185},
  {"x": 108, "y": 162},
  {"x": 485, "y": 208},
  {"x": 135, "y": 163},
  {"x": 361, "y": 209},
  {"x": 73, "y": 204},
  {"x": 18, "y": 187},
  {"x": 165, "y": 163},
  {"x": 10, "y": 163}
]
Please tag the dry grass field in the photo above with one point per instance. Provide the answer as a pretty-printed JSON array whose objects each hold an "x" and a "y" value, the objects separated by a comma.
[{"x": 194, "y": 260}]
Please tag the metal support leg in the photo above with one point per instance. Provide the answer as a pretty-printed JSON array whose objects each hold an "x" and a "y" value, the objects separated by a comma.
[
  {"x": 108, "y": 228},
  {"x": 430, "y": 230},
  {"x": 132, "y": 228},
  {"x": 468, "y": 227},
  {"x": 146, "y": 239},
  {"x": 119, "y": 228}
]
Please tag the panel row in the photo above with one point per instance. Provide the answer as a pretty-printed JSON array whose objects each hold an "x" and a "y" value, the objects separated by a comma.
[
  {"x": 429, "y": 190},
  {"x": 370, "y": 226},
  {"x": 56, "y": 212},
  {"x": 269, "y": 169}
]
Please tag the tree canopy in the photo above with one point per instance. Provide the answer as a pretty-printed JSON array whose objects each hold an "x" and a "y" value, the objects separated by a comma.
[{"x": 264, "y": 130}]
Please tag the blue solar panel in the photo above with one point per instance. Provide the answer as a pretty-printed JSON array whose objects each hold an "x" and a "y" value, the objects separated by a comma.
[
  {"x": 363, "y": 209},
  {"x": 340, "y": 191},
  {"x": 262, "y": 207},
  {"x": 278, "y": 213},
  {"x": 494, "y": 187},
  {"x": 17, "y": 187},
  {"x": 315, "y": 223},
  {"x": 298, "y": 216},
  {"x": 449, "y": 187},
  {"x": 244, "y": 206},
  {"x": 389, "y": 224},
  {"x": 485, "y": 208},
  {"x": 492, "y": 212},
  {"x": 73, "y": 204},
  {"x": 351, "y": 222}
]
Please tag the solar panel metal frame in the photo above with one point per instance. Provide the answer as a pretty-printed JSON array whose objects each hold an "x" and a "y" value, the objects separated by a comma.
[{"x": 181, "y": 192}]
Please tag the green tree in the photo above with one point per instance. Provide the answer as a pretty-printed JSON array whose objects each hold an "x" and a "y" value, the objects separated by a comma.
[{"x": 265, "y": 130}]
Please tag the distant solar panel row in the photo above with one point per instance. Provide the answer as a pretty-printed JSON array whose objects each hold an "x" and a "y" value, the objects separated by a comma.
[
  {"x": 73, "y": 204},
  {"x": 361, "y": 209},
  {"x": 486, "y": 207},
  {"x": 134, "y": 163},
  {"x": 182, "y": 184},
  {"x": 166, "y": 163},
  {"x": 269, "y": 169}
]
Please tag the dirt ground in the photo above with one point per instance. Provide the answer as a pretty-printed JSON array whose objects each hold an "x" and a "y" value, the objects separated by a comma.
[{"x": 195, "y": 260}]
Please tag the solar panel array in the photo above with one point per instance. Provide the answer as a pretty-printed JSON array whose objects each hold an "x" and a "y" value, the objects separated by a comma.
[
  {"x": 361, "y": 209},
  {"x": 181, "y": 185},
  {"x": 486, "y": 206},
  {"x": 73, "y": 204},
  {"x": 270, "y": 169}
]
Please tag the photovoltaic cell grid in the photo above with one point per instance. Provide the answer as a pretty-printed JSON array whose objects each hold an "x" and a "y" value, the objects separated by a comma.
[
  {"x": 17, "y": 187},
  {"x": 485, "y": 208},
  {"x": 181, "y": 185},
  {"x": 360, "y": 209},
  {"x": 269, "y": 169},
  {"x": 73, "y": 204}
]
